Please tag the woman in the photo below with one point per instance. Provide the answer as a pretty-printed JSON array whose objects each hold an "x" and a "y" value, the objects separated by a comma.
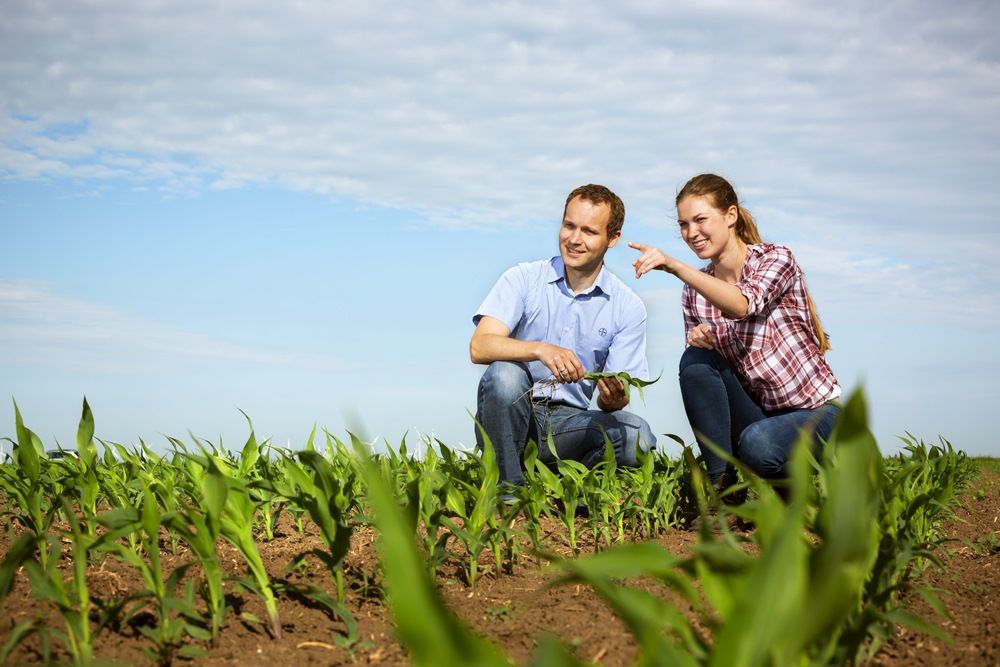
[{"x": 753, "y": 375}]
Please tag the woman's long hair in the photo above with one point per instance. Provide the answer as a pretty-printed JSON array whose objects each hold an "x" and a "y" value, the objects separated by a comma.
[{"x": 722, "y": 195}]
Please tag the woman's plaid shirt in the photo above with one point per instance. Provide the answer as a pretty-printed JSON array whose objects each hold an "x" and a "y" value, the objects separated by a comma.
[{"x": 773, "y": 349}]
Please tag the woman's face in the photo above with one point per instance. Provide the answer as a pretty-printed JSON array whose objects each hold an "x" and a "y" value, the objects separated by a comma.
[{"x": 707, "y": 230}]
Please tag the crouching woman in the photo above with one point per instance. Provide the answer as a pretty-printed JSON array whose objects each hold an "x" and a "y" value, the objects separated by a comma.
[{"x": 753, "y": 375}]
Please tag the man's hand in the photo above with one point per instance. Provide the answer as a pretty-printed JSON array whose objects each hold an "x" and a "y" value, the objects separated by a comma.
[
  {"x": 611, "y": 396},
  {"x": 563, "y": 363},
  {"x": 491, "y": 342}
]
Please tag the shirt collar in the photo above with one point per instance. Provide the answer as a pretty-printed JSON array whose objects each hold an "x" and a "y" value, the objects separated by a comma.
[{"x": 557, "y": 272}]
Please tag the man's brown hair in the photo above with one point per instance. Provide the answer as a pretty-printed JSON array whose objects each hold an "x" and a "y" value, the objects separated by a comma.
[{"x": 598, "y": 194}]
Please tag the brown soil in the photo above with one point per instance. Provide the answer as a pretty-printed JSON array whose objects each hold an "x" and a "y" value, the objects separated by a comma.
[
  {"x": 967, "y": 582},
  {"x": 512, "y": 610}
]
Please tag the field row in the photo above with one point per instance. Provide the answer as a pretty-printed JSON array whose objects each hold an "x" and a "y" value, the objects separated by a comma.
[{"x": 844, "y": 540}]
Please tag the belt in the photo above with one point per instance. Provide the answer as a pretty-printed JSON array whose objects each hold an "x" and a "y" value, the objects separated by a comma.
[{"x": 550, "y": 403}]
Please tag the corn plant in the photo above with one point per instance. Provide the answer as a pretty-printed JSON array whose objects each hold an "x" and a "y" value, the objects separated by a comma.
[
  {"x": 565, "y": 487},
  {"x": 260, "y": 472},
  {"x": 313, "y": 484},
  {"x": 627, "y": 381},
  {"x": 472, "y": 507},
  {"x": 236, "y": 526},
  {"x": 532, "y": 499},
  {"x": 602, "y": 495},
  {"x": 176, "y": 615},
  {"x": 426, "y": 499},
  {"x": 198, "y": 525},
  {"x": 82, "y": 471},
  {"x": 71, "y": 597},
  {"x": 26, "y": 485},
  {"x": 123, "y": 474},
  {"x": 423, "y": 623},
  {"x": 752, "y": 607},
  {"x": 917, "y": 492}
]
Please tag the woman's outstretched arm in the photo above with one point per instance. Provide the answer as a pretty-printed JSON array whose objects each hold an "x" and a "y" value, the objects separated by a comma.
[{"x": 724, "y": 296}]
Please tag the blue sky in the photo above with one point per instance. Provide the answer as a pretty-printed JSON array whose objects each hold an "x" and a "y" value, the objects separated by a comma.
[{"x": 294, "y": 209}]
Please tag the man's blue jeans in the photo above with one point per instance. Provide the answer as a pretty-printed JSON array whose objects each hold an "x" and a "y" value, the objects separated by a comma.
[
  {"x": 721, "y": 412},
  {"x": 510, "y": 418}
]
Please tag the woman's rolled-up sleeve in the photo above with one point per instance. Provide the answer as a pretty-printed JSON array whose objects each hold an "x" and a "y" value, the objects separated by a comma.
[{"x": 766, "y": 277}]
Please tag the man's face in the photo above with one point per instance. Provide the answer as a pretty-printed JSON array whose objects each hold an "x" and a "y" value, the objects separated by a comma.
[{"x": 583, "y": 237}]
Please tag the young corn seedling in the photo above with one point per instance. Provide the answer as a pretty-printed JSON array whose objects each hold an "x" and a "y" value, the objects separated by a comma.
[
  {"x": 916, "y": 492},
  {"x": 27, "y": 488},
  {"x": 603, "y": 495},
  {"x": 565, "y": 487},
  {"x": 83, "y": 468},
  {"x": 627, "y": 381},
  {"x": 638, "y": 508},
  {"x": 313, "y": 484},
  {"x": 423, "y": 624},
  {"x": 532, "y": 498},
  {"x": 198, "y": 525},
  {"x": 426, "y": 498},
  {"x": 752, "y": 608},
  {"x": 176, "y": 616},
  {"x": 70, "y": 598},
  {"x": 236, "y": 527},
  {"x": 259, "y": 473},
  {"x": 474, "y": 507}
]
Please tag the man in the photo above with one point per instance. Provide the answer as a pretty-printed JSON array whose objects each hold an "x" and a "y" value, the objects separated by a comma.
[{"x": 542, "y": 326}]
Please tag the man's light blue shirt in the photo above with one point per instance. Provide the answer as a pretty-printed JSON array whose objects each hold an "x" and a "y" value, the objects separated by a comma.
[{"x": 605, "y": 326}]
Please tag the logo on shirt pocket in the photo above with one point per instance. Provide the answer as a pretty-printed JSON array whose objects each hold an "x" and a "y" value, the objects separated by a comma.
[{"x": 596, "y": 347}]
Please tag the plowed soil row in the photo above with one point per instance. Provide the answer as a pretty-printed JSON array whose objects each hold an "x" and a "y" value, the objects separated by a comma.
[{"x": 513, "y": 610}]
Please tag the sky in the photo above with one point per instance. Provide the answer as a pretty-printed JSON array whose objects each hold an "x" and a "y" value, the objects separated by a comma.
[{"x": 292, "y": 210}]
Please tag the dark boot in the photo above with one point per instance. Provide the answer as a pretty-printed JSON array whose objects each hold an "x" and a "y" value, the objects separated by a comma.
[{"x": 721, "y": 483}]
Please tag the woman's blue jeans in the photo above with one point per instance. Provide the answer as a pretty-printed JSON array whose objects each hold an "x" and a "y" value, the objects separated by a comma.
[
  {"x": 720, "y": 411},
  {"x": 510, "y": 418}
]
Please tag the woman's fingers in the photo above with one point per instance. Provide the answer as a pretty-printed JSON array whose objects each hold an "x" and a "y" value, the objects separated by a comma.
[{"x": 701, "y": 336}]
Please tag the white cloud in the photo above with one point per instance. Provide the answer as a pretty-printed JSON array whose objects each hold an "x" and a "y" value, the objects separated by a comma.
[
  {"x": 485, "y": 112},
  {"x": 41, "y": 326}
]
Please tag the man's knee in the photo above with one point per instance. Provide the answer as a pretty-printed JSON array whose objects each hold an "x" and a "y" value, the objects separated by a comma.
[
  {"x": 633, "y": 435},
  {"x": 504, "y": 381}
]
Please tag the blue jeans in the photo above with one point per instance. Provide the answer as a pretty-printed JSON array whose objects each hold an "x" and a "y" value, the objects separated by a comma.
[
  {"x": 510, "y": 418},
  {"x": 721, "y": 412}
]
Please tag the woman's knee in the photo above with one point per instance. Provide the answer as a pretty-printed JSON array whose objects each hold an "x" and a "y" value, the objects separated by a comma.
[
  {"x": 697, "y": 362},
  {"x": 698, "y": 355},
  {"x": 759, "y": 451}
]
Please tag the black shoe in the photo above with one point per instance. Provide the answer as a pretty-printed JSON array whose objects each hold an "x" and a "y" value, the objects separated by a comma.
[{"x": 721, "y": 485}]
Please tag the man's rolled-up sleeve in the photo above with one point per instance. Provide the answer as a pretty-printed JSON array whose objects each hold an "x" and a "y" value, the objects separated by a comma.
[{"x": 505, "y": 302}]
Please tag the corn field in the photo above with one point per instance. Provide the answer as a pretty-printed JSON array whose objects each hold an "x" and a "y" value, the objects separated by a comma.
[{"x": 819, "y": 580}]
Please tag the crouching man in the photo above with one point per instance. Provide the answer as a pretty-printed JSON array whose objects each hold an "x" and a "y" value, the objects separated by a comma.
[{"x": 542, "y": 327}]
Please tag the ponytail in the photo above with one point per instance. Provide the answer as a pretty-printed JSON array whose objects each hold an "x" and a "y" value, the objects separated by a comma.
[
  {"x": 746, "y": 226},
  {"x": 822, "y": 340}
]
